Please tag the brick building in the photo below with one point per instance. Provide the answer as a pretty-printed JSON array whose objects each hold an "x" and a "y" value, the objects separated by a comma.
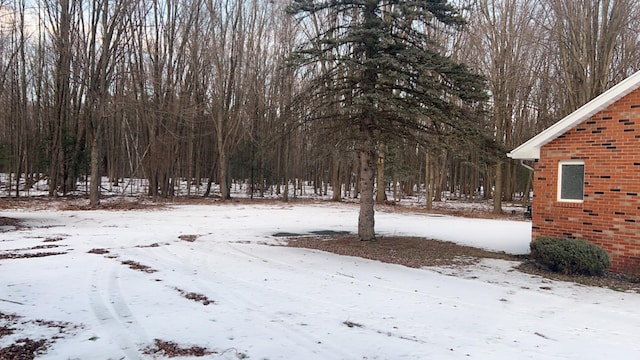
[{"x": 587, "y": 175}]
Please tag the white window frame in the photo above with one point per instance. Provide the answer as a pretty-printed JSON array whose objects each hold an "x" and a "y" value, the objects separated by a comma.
[{"x": 569, "y": 162}]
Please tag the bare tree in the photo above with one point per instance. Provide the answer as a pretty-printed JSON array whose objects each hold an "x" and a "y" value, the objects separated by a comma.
[
  {"x": 107, "y": 22},
  {"x": 505, "y": 41},
  {"x": 587, "y": 35},
  {"x": 61, "y": 18},
  {"x": 236, "y": 41}
]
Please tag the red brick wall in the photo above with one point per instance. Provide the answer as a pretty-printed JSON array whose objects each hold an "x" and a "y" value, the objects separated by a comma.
[{"x": 609, "y": 216}]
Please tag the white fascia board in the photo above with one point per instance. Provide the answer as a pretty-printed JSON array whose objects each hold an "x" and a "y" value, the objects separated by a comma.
[
  {"x": 529, "y": 153},
  {"x": 530, "y": 150}
]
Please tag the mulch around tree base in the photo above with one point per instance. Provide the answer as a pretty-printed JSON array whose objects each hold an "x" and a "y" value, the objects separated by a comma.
[
  {"x": 420, "y": 252},
  {"x": 408, "y": 251}
]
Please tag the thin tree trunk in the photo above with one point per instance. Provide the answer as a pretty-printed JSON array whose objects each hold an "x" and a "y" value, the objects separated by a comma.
[
  {"x": 380, "y": 189},
  {"x": 428, "y": 182},
  {"x": 285, "y": 192},
  {"x": 223, "y": 168},
  {"x": 366, "y": 221},
  {"x": 438, "y": 177},
  {"x": 212, "y": 176},
  {"x": 396, "y": 192},
  {"x": 95, "y": 179},
  {"x": 497, "y": 192},
  {"x": 335, "y": 178}
]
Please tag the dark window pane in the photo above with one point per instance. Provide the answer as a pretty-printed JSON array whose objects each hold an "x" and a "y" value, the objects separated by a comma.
[{"x": 572, "y": 187}]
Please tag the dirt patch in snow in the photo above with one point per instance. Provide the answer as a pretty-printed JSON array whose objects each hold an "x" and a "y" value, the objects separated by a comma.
[
  {"x": 116, "y": 205},
  {"x": 24, "y": 349},
  {"x": 171, "y": 349},
  {"x": 10, "y": 223},
  {"x": 195, "y": 297},
  {"x": 188, "y": 238},
  {"x": 28, "y": 348},
  {"x": 137, "y": 266},
  {"x": 98, "y": 251},
  {"x": 14, "y": 255},
  {"x": 55, "y": 239}
]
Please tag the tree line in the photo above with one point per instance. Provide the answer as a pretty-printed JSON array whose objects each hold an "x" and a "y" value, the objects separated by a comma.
[{"x": 217, "y": 90}]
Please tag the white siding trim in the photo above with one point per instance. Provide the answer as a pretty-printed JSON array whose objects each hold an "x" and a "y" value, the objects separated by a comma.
[{"x": 559, "y": 194}]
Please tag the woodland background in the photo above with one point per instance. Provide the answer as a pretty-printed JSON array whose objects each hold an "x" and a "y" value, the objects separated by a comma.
[{"x": 201, "y": 90}]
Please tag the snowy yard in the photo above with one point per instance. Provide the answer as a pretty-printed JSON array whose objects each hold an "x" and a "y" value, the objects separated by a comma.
[{"x": 205, "y": 276}]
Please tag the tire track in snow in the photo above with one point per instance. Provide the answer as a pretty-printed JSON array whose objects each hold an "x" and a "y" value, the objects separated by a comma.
[
  {"x": 354, "y": 312},
  {"x": 377, "y": 281},
  {"x": 453, "y": 302},
  {"x": 250, "y": 307},
  {"x": 228, "y": 262},
  {"x": 113, "y": 313}
]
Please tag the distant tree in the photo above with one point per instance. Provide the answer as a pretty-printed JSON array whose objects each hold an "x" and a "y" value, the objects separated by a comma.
[
  {"x": 505, "y": 43},
  {"x": 391, "y": 78},
  {"x": 590, "y": 37},
  {"x": 108, "y": 23}
]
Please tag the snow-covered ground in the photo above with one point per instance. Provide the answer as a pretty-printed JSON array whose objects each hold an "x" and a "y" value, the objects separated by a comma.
[{"x": 259, "y": 301}]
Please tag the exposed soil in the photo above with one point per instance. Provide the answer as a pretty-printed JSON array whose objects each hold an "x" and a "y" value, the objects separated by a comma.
[
  {"x": 118, "y": 205},
  {"x": 195, "y": 297},
  {"x": 51, "y": 246},
  {"x": 188, "y": 238},
  {"x": 23, "y": 349},
  {"x": 13, "y": 255},
  {"x": 6, "y": 321},
  {"x": 154, "y": 245},
  {"x": 27, "y": 348},
  {"x": 137, "y": 266},
  {"x": 403, "y": 250},
  {"x": 171, "y": 349},
  {"x": 98, "y": 251},
  {"x": 420, "y": 252},
  {"x": 16, "y": 223}
]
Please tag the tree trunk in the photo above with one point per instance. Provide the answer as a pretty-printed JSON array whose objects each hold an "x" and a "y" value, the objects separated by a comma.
[
  {"x": 509, "y": 180},
  {"x": 380, "y": 190},
  {"x": 428, "y": 182},
  {"x": 212, "y": 175},
  {"x": 94, "y": 190},
  {"x": 497, "y": 192},
  {"x": 335, "y": 179},
  {"x": 486, "y": 183},
  {"x": 223, "y": 168},
  {"x": 396, "y": 193},
  {"x": 366, "y": 221},
  {"x": 438, "y": 177},
  {"x": 285, "y": 192}
]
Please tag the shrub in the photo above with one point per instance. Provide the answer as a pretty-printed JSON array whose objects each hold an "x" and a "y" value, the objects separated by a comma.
[{"x": 570, "y": 256}]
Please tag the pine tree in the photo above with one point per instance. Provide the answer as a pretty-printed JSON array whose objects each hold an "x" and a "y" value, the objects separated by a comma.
[{"x": 388, "y": 76}]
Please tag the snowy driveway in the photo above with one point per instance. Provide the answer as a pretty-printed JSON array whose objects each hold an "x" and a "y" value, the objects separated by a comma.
[{"x": 268, "y": 302}]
